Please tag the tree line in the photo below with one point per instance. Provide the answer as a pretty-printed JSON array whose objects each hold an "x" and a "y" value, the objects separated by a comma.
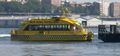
[
  {"x": 11, "y": 7},
  {"x": 34, "y": 6}
]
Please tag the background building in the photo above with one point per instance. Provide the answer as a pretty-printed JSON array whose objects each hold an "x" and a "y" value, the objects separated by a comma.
[
  {"x": 56, "y": 2},
  {"x": 46, "y": 4},
  {"x": 114, "y": 9},
  {"x": 21, "y": 1},
  {"x": 5, "y": 0},
  {"x": 104, "y": 8},
  {"x": 52, "y": 2},
  {"x": 96, "y": 8}
]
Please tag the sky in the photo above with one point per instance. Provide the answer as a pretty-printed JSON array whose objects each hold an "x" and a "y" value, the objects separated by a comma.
[{"x": 80, "y": 1}]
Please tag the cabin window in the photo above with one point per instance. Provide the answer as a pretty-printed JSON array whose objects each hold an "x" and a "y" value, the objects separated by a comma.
[
  {"x": 60, "y": 26},
  {"x": 30, "y": 28},
  {"x": 47, "y": 27},
  {"x": 68, "y": 26},
  {"x": 51, "y": 27},
  {"x": 54, "y": 26},
  {"x": 40, "y": 26}
]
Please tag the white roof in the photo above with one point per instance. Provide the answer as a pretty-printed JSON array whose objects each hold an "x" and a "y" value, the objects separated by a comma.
[
  {"x": 81, "y": 19},
  {"x": 94, "y": 20},
  {"x": 88, "y": 17},
  {"x": 109, "y": 22}
]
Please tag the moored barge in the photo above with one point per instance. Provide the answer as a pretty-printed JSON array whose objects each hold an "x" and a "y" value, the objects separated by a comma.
[{"x": 110, "y": 34}]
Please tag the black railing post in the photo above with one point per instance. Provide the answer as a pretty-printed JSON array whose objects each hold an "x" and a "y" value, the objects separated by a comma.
[{"x": 113, "y": 29}]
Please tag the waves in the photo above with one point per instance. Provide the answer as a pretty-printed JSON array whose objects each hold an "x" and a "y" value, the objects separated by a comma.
[{"x": 5, "y": 35}]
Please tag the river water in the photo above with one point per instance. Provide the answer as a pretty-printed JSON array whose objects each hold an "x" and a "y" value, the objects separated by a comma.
[{"x": 22, "y": 48}]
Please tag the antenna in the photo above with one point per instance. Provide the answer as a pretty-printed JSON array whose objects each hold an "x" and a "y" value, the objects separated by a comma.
[{"x": 64, "y": 9}]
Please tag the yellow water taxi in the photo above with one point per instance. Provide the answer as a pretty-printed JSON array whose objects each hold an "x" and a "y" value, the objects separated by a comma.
[{"x": 51, "y": 29}]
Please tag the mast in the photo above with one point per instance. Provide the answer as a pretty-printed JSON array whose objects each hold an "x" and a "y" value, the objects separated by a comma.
[{"x": 64, "y": 8}]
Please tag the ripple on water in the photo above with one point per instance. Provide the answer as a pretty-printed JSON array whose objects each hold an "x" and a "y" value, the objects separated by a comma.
[{"x": 94, "y": 48}]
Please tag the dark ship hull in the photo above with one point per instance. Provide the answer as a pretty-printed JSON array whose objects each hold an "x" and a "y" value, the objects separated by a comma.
[{"x": 108, "y": 36}]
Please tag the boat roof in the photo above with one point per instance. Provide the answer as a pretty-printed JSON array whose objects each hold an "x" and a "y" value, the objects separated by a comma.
[{"x": 53, "y": 19}]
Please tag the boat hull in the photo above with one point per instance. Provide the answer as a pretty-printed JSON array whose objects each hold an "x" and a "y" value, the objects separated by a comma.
[
  {"x": 109, "y": 37},
  {"x": 50, "y": 38}
]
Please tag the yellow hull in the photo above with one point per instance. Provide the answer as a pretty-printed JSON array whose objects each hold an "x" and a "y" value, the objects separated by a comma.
[
  {"x": 50, "y": 38},
  {"x": 55, "y": 28}
]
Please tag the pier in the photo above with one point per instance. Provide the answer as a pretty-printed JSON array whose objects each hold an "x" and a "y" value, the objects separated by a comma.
[
  {"x": 93, "y": 22},
  {"x": 13, "y": 21}
]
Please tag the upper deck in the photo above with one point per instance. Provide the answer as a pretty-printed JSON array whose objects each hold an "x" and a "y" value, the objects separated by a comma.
[{"x": 53, "y": 20}]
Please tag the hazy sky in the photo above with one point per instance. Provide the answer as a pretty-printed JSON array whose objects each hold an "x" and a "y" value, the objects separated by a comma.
[{"x": 94, "y": 0}]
